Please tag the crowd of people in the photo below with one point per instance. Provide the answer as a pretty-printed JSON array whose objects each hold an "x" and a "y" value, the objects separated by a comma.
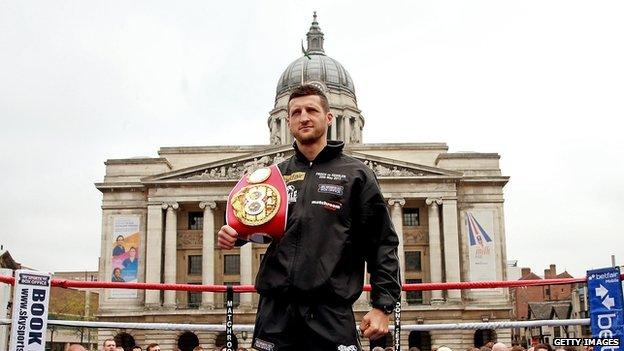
[
  {"x": 110, "y": 345},
  {"x": 498, "y": 346}
]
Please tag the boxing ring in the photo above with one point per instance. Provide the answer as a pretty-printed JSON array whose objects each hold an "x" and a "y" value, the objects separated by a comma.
[{"x": 229, "y": 326}]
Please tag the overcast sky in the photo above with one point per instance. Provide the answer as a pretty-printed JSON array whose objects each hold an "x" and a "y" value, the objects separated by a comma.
[{"x": 539, "y": 82}]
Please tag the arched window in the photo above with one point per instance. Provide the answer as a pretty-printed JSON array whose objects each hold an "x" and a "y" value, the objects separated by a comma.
[
  {"x": 481, "y": 337},
  {"x": 221, "y": 340},
  {"x": 420, "y": 339}
]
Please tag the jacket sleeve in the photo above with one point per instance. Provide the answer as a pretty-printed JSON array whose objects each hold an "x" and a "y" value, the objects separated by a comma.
[{"x": 380, "y": 246}]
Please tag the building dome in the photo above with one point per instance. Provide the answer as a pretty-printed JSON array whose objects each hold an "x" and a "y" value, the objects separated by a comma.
[{"x": 317, "y": 68}]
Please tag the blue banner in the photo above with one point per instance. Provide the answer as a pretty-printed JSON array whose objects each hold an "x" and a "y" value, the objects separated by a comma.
[{"x": 604, "y": 288}]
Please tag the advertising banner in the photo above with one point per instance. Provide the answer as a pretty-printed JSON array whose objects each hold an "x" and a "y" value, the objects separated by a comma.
[
  {"x": 481, "y": 245},
  {"x": 31, "y": 296},
  {"x": 604, "y": 288},
  {"x": 125, "y": 254}
]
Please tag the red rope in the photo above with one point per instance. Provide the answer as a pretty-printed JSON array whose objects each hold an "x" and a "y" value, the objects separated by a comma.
[{"x": 64, "y": 283}]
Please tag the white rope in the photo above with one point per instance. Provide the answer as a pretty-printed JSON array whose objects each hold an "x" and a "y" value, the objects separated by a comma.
[
  {"x": 249, "y": 328},
  {"x": 496, "y": 325}
]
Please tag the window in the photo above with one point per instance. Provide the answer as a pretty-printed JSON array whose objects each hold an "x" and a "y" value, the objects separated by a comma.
[
  {"x": 412, "y": 261},
  {"x": 193, "y": 298},
  {"x": 414, "y": 297},
  {"x": 195, "y": 220},
  {"x": 231, "y": 264},
  {"x": 194, "y": 264},
  {"x": 410, "y": 217},
  {"x": 236, "y": 300}
]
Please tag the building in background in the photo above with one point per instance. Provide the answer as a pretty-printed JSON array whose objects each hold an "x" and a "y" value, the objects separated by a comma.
[
  {"x": 544, "y": 302},
  {"x": 160, "y": 217}
]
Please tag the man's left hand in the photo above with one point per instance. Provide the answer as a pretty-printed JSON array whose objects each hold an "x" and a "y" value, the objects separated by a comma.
[{"x": 374, "y": 325}]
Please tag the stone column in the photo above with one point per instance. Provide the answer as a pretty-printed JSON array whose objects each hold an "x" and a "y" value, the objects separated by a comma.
[
  {"x": 451, "y": 246},
  {"x": 332, "y": 130},
  {"x": 284, "y": 130},
  {"x": 347, "y": 131},
  {"x": 153, "y": 253},
  {"x": 171, "y": 251},
  {"x": 208, "y": 251},
  {"x": 396, "y": 212},
  {"x": 246, "y": 275},
  {"x": 435, "y": 247}
]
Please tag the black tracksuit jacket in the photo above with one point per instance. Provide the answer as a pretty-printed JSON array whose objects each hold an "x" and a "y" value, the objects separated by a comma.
[{"x": 337, "y": 220}]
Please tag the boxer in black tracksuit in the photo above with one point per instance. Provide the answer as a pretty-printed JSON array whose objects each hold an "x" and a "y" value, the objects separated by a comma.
[
  {"x": 308, "y": 281},
  {"x": 337, "y": 221}
]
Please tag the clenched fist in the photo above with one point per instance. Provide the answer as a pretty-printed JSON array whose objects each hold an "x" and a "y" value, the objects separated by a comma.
[
  {"x": 227, "y": 237},
  {"x": 374, "y": 324}
]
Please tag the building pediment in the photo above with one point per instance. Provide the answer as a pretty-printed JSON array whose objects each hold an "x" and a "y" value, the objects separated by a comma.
[{"x": 233, "y": 169}]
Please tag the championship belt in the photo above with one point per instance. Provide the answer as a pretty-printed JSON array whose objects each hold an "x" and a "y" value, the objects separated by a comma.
[{"x": 257, "y": 207}]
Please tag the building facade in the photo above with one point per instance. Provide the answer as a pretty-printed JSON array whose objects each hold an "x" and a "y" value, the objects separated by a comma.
[
  {"x": 160, "y": 217},
  {"x": 543, "y": 302}
]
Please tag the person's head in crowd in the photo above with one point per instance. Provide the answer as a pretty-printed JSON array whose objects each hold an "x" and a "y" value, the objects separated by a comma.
[
  {"x": 198, "y": 348},
  {"x": 136, "y": 348},
  {"x": 389, "y": 348},
  {"x": 499, "y": 346},
  {"x": 153, "y": 347},
  {"x": 444, "y": 348},
  {"x": 414, "y": 348},
  {"x": 119, "y": 348},
  {"x": 485, "y": 348},
  {"x": 109, "y": 345},
  {"x": 543, "y": 347},
  {"x": 76, "y": 347},
  {"x": 517, "y": 348},
  {"x": 378, "y": 348}
]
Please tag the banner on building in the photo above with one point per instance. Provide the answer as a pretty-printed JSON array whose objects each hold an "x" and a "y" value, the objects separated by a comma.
[
  {"x": 481, "y": 244},
  {"x": 125, "y": 254},
  {"x": 604, "y": 288},
  {"x": 31, "y": 296}
]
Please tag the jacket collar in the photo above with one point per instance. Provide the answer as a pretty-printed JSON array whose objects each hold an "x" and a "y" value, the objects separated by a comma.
[{"x": 332, "y": 150}]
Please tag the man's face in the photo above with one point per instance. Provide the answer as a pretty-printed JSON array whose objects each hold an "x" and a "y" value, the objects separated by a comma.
[
  {"x": 155, "y": 348},
  {"x": 109, "y": 345},
  {"x": 307, "y": 120}
]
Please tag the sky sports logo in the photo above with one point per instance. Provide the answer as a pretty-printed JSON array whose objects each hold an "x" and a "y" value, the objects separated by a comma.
[{"x": 607, "y": 343}]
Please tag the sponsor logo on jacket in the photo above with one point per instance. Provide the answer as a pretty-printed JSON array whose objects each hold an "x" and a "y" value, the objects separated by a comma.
[{"x": 331, "y": 189}]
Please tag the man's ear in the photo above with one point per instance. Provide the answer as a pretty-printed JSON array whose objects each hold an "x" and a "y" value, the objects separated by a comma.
[{"x": 330, "y": 117}]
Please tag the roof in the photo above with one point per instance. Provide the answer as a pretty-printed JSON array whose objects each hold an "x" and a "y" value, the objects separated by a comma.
[
  {"x": 7, "y": 261},
  {"x": 550, "y": 310}
]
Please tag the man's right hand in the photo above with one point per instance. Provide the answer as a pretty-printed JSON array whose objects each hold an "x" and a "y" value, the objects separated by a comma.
[{"x": 227, "y": 237}]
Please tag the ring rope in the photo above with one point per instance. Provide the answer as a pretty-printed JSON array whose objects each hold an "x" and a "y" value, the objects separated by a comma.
[
  {"x": 249, "y": 327},
  {"x": 64, "y": 283}
]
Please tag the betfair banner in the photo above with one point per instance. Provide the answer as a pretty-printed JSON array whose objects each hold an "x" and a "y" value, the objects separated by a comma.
[
  {"x": 604, "y": 288},
  {"x": 31, "y": 296}
]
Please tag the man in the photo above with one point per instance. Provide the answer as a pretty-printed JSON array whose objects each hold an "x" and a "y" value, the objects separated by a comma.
[
  {"x": 76, "y": 347},
  {"x": 337, "y": 220},
  {"x": 153, "y": 347},
  {"x": 109, "y": 345}
]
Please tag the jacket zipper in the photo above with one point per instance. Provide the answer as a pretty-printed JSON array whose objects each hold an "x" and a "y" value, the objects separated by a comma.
[{"x": 298, "y": 237}]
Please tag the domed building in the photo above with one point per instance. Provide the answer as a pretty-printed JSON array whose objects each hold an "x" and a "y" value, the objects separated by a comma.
[
  {"x": 160, "y": 217},
  {"x": 326, "y": 73}
]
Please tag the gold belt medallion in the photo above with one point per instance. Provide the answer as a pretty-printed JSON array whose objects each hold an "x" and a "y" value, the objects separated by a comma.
[{"x": 256, "y": 204}]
